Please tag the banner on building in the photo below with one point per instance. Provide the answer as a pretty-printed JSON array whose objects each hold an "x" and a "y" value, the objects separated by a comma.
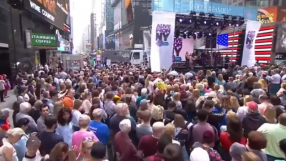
[
  {"x": 248, "y": 57},
  {"x": 162, "y": 40}
]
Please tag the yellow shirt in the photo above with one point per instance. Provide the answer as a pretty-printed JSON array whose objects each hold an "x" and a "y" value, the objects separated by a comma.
[{"x": 274, "y": 133}]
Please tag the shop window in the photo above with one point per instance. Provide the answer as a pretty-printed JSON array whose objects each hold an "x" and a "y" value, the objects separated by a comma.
[{"x": 136, "y": 55}]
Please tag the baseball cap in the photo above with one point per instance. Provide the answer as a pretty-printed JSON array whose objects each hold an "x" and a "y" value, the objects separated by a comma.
[
  {"x": 33, "y": 142},
  {"x": 252, "y": 106},
  {"x": 98, "y": 150}
]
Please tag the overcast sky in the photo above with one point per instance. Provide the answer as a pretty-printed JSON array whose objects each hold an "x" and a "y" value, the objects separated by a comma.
[{"x": 81, "y": 18}]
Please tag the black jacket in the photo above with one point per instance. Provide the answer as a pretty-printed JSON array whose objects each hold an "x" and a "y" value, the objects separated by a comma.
[{"x": 251, "y": 122}]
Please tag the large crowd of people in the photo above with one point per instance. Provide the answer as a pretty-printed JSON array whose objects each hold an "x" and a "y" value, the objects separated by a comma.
[{"x": 128, "y": 113}]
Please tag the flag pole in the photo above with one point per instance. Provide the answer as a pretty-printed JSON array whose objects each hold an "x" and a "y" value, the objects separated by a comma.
[{"x": 233, "y": 39}]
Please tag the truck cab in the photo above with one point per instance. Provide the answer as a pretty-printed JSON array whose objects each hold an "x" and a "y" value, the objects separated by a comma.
[{"x": 139, "y": 57}]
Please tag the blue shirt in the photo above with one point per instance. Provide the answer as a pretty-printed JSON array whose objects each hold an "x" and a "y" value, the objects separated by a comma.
[
  {"x": 66, "y": 132},
  {"x": 100, "y": 130},
  {"x": 20, "y": 147}
]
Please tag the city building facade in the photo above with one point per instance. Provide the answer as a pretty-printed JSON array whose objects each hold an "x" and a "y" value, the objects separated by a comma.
[
  {"x": 33, "y": 31},
  {"x": 129, "y": 17}
]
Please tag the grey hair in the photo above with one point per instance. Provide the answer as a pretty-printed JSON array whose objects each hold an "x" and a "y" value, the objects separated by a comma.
[{"x": 25, "y": 107}]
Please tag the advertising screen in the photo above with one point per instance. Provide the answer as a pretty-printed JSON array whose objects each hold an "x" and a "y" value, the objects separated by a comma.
[
  {"x": 64, "y": 46},
  {"x": 281, "y": 39},
  {"x": 267, "y": 15},
  {"x": 55, "y": 12}
]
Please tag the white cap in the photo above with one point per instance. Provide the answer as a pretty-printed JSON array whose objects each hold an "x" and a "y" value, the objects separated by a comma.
[{"x": 199, "y": 154}]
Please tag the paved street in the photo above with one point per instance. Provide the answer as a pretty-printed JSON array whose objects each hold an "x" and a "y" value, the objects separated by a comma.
[{"x": 9, "y": 104}]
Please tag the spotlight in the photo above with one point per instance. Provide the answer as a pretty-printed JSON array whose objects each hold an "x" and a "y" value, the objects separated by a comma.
[
  {"x": 233, "y": 17},
  {"x": 180, "y": 20},
  {"x": 229, "y": 24},
  {"x": 193, "y": 13},
  {"x": 190, "y": 21},
  {"x": 226, "y": 17},
  {"x": 210, "y": 34},
  {"x": 205, "y": 22},
  {"x": 211, "y": 15},
  {"x": 237, "y": 25},
  {"x": 202, "y": 14},
  {"x": 217, "y": 23}
]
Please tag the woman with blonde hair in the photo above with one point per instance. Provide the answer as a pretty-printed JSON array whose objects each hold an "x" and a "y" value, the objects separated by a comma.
[
  {"x": 170, "y": 130},
  {"x": 149, "y": 84},
  {"x": 201, "y": 88},
  {"x": 86, "y": 104},
  {"x": 85, "y": 149},
  {"x": 196, "y": 94},
  {"x": 176, "y": 99},
  {"x": 263, "y": 84},
  {"x": 270, "y": 114},
  {"x": 281, "y": 94},
  {"x": 181, "y": 132},
  {"x": 208, "y": 73},
  {"x": 7, "y": 151},
  {"x": 220, "y": 80},
  {"x": 242, "y": 111},
  {"x": 234, "y": 103}
]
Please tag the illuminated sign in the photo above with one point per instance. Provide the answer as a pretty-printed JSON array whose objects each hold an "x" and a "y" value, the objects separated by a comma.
[{"x": 264, "y": 18}]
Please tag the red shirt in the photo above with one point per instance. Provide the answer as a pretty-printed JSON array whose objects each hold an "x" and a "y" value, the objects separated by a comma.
[
  {"x": 148, "y": 144},
  {"x": 123, "y": 145},
  {"x": 226, "y": 142}
]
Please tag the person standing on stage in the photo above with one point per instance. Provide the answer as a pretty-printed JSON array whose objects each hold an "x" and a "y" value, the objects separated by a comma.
[{"x": 187, "y": 56}]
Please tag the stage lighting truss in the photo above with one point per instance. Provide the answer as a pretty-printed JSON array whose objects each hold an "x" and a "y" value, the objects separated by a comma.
[{"x": 204, "y": 24}]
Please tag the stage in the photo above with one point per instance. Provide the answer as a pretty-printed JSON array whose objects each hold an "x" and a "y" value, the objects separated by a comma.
[{"x": 181, "y": 67}]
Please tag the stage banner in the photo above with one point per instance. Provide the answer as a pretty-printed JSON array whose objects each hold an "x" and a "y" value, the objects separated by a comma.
[
  {"x": 181, "y": 47},
  {"x": 248, "y": 56},
  {"x": 162, "y": 40}
]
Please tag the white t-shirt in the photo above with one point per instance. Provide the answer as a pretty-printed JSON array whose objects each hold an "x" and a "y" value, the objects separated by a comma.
[
  {"x": 38, "y": 157},
  {"x": 2, "y": 84},
  {"x": 276, "y": 79}
]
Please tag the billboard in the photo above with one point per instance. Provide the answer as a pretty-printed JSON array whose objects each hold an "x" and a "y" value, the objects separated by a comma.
[
  {"x": 271, "y": 14},
  {"x": 267, "y": 15},
  {"x": 129, "y": 11},
  {"x": 55, "y": 12},
  {"x": 186, "y": 6},
  {"x": 281, "y": 38}
]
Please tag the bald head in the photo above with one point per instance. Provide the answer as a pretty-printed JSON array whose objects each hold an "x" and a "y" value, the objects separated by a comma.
[
  {"x": 282, "y": 119},
  {"x": 158, "y": 128}
]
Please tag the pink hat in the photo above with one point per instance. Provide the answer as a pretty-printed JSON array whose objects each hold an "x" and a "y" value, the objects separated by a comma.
[{"x": 252, "y": 106}]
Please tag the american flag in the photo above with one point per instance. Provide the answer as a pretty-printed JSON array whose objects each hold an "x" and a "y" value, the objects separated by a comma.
[
  {"x": 230, "y": 44},
  {"x": 263, "y": 44}
]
